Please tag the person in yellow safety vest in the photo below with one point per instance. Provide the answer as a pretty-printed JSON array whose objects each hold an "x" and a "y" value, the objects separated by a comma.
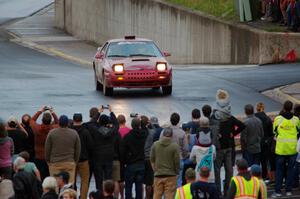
[
  {"x": 286, "y": 127},
  {"x": 256, "y": 171},
  {"x": 184, "y": 192},
  {"x": 244, "y": 186}
]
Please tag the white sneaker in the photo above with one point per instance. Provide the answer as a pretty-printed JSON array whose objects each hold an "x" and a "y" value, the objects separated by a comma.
[
  {"x": 276, "y": 195},
  {"x": 288, "y": 193}
]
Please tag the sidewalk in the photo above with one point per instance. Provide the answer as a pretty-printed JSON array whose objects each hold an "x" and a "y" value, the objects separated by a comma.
[
  {"x": 289, "y": 92},
  {"x": 38, "y": 32}
]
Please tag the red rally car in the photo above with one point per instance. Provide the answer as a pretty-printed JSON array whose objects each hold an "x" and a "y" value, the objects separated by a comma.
[{"x": 131, "y": 63}]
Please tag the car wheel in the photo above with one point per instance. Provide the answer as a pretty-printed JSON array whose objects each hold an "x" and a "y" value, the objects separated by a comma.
[
  {"x": 167, "y": 90},
  {"x": 99, "y": 86},
  {"x": 107, "y": 91}
]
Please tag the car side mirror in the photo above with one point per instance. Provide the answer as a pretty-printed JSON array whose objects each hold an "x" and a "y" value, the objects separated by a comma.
[
  {"x": 99, "y": 55},
  {"x": 166, "y": 54}
]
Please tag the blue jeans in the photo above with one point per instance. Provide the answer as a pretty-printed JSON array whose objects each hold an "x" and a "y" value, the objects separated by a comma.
[
  {"x": 134, "y": 173},
  {"x": 179, "y": 177},
  {"x": 281, "y": 160}
]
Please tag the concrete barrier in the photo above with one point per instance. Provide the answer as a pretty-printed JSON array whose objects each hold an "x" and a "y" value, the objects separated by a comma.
[{"x": 191, "y": 37}]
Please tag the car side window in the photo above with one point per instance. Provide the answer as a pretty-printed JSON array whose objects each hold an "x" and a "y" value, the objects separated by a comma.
[{"x": 103, "y": 50}]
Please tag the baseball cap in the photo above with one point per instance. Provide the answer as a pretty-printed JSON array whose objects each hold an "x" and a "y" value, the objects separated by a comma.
[
  {"x": 255, "y": 170},
  {"x": 154, "y": 120},
  {"x": 12, "y": 119},
  {"x": 63, "y": 120}
]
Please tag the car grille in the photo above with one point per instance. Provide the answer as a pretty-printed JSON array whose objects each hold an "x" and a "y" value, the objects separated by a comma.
[{"x": 141, "y": 75}]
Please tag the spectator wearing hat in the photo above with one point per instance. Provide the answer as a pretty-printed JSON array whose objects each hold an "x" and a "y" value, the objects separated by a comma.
[
  {"x": 86, "y": 142},
  {"x": 224, "y": 127},
  {"x": 251, "y": 137},
  {"x": 18, "y": 134},
  {"x": 256, "y": 171},
  {"x": 49, "y": 121},
  {"x": 243, "y": 184},
  {"x": 204, "y": 152},
  {"x": 184, "y": 192},
  {"x": 180, "y": 138},
  {"x": 63, "y": 183},
  {"x": 202, "y": 188},
  {"x": 62, "y": 149},
  {"x": 25, "y": 183},
  {"x": 165, "y": 160},
  {"x": 30, "y": 166},
  {"x": 49, "y": 188},
  {"x": 155, "y": 125},
  {"x": 6, "y": 152},
  {"x": 103, "y": 153}
]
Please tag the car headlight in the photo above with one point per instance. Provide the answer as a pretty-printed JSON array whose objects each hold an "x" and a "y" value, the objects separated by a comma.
[
  {"x": 161, "y": 66},
  {"x": 118, "y": 68}
]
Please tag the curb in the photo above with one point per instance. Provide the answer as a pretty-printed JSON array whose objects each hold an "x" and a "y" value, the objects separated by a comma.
[
  {"x": 47, "y": 50},
  {"x": 280, "y": 96}
]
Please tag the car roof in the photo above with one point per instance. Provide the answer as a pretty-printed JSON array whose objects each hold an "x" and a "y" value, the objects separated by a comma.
[{"x": 128, "y": 40}]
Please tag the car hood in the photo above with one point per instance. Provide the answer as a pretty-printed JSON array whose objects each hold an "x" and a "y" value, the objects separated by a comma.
[{"x": 137, "y": 63}]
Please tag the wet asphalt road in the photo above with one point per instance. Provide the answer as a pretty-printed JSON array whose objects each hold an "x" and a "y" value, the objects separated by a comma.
[{"x": 29, "y": 79}]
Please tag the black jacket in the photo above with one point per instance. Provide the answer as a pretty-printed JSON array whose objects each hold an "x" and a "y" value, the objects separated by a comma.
[
  {"x": 133, "y": 146},
  {"x": 268, "y": 129},
  {"x": 225, "y": 130},
  {"x": 104, "y": 141},
  {"x": 86, "y": 142},
  {"x": 30, "y": 142},
  {"x": 19, "y": 138},
  {"x": 26, "y": 186},
  {"x": 50, "y": 195}
]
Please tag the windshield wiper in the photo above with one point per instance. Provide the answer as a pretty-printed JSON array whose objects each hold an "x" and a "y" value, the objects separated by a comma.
[
  {"x": 117, "y": 56},
  {"x": 141, "y": 55}
]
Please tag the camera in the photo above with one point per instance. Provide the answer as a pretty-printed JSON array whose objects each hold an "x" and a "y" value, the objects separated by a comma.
[
  {"x": 47, "y": 108},
  {"x": 134, "y": 115},
  {"x": 105, "y": 107}
]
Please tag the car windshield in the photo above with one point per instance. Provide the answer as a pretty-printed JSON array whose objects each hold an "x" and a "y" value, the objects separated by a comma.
[{"x": 133, "y": 49}]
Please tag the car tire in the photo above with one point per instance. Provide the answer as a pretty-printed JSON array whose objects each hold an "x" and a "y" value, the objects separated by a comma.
[
  {"x": 107, "y": 91},
  {"x": 98, "y": 85},
  {"x": 167, "y": 90}
]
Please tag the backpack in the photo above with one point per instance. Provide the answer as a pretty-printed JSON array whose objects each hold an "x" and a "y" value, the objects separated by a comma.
[
  {"x": 206, "y": 161},
  {"x": 205, "y": 137}
]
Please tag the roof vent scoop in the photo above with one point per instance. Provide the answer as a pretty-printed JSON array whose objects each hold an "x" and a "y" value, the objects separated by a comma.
[{"x": 130, "y": 37}]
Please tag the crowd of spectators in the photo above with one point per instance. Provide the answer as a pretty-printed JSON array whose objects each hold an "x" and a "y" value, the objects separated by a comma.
[
  {"x": 43, "y": 160},
  {"x": 284, "y": 12}
]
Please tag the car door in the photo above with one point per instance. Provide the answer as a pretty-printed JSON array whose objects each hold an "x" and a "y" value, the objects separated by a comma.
[{"x": 101, "y": 62}]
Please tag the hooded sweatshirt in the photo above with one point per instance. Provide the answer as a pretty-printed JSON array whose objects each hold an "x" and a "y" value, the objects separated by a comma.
[
  {"x": 198, "y": 153},
  {"x": 6, "y": 151},
  {"x": 165, "y": 157},
  {"x": 133, "y": 147}
]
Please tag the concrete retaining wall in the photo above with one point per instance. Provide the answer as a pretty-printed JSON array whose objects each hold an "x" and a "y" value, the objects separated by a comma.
[{"x": 189, "y": 36}]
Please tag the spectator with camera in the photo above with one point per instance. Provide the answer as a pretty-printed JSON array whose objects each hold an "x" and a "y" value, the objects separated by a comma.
[
  {"x": 104, "y": 145},
  {"x": 49, "y": 121},
  {"x": 62, "y": 149}
]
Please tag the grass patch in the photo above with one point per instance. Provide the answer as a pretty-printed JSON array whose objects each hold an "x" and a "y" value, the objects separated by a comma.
[{"x": 219, "y": 8}]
